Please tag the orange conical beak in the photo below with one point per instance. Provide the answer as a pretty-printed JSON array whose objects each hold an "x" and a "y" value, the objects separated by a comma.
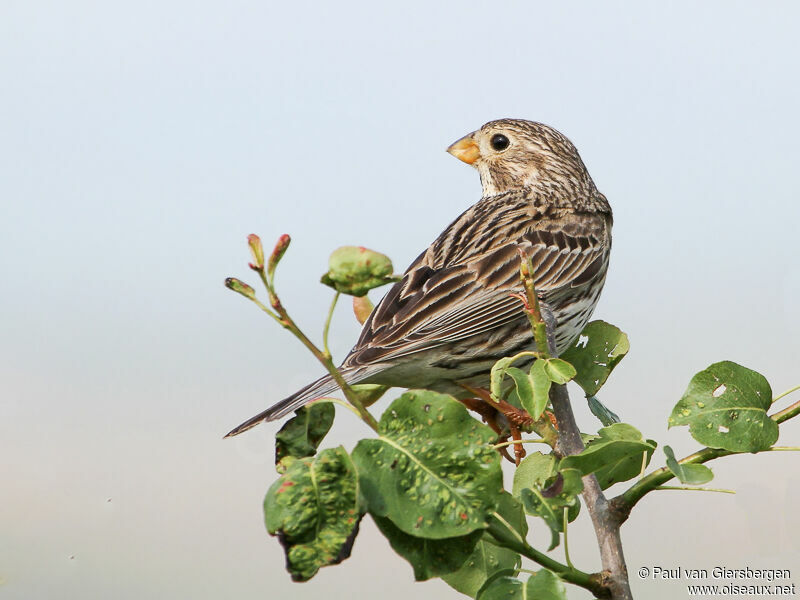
[{"x": 465, "y": 149}]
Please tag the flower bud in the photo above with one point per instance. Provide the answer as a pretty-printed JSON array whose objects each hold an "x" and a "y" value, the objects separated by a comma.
[
  {"x": 257, "y": 251},
  {"x": 240, "y": 287},
  {"x": 362, "y": 307},
  {"x": 277, "y": 253}
]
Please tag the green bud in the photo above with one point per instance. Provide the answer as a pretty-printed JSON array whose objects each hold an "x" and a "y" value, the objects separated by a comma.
[
  {"x": 257, "y": 251},
  {"x": 362, "y": 307},
  {"x": 240, "y": 287},
  {"x": 355, "y": 270},
  {"x": 277, "y": 253}
]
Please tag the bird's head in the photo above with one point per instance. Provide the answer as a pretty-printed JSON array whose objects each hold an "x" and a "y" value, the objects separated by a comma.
[{"x": 513, "y": 153}]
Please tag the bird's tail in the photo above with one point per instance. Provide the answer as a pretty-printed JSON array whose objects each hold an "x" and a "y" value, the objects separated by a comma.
[{"x": 318, "y": 389}]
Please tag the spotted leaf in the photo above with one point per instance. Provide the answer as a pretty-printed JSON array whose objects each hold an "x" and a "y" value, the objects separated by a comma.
[
  {"x": 432, "y": 471},
  {"x": 314, "y": 510}
]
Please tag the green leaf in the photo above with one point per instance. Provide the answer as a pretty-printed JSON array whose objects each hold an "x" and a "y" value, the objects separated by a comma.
[
  {"x": 432, "y": 471},
  {"x": 534, "y": 470},
  {"x": 549, "y": 502},
  {"x": 314, "y": 510},
  {"x": 355, "y": 270},
  {"x": 540, "y": 383},
  {"x": 595, "y": 353},
  {"x": 725, "y": 407},
  {"x": 558, "y": 370},
  {"x": 522, "y": 385},
  {"x": 691, "y": 474},
  {"x": 486, "y": 559},
  {"x": 542, "y": 585},
  {"x": 430, "y": 558},
  {"x": 615, "y": 455},
  {"x": 369, "y": 393},
  {"x": 508, "y": 524},
  {"x": 602, "y": 412},
  {"x": 301, "y": 435},
  {"x": 497, "y": 375}
]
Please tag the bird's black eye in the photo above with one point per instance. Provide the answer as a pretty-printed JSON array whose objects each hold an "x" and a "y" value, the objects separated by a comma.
[{"x": 499, "y": 142}]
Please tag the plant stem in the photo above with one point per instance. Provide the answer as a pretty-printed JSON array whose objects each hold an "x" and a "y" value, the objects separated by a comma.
[
  {"x": 786, "y": 393},
  {"x": 532, "y": 308},
  {"x": 575, "y": 576},
  {"x": 692, "y": 488},
  {"x": 564, "y": 526},
  {"x": 328, "y": 324},
  {"x": 346, "y": 405},
  {"x": 323, "y": 357},
  {"x": 266, "y": 309},
  {"x": 512, "y": 539},
  {"x": 623, "y": 503},
  {"x": 787, "y": 413}
]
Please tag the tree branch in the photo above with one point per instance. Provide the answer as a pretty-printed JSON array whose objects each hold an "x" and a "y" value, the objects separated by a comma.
[
  {"x": 623, "y": 503},
  {"x": 511, "y": 539},
  {"x": 614, "y": 578},
  {"x": 605, "y": 521}
]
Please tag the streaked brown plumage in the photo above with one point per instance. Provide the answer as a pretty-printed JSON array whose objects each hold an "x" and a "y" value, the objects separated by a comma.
[{"x": 452, "y": 316}]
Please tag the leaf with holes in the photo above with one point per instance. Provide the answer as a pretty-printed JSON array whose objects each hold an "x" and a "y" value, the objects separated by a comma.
[
  {"x": 430, "y": 558},
  {"x": 725, "y": 407},
  {"x": 617, "y": 454},
  {"x": 490, "y": 556},
  {"x": 301, "y": 435},
  {"x": 687, "y": 473},
  {"x": 433, "y": 470},
  {"x": 599, "y": 348},
  {"x": 542, "y": 585},
  {"x": 314, "y": 510},
  {"x": 550, "y": 501}
]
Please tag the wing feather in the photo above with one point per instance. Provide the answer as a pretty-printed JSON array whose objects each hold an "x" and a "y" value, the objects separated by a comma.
[{"x": 437, "y": 304}]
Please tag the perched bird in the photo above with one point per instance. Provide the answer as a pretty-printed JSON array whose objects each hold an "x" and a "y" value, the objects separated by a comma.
[{"x": 452, "y": 315}]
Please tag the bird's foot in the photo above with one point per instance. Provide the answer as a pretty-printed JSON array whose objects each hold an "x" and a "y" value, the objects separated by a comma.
[{"x": 490, "y": 410}]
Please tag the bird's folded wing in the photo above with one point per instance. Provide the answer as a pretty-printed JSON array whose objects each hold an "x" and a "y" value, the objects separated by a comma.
[{"x": 432, "y": 307}]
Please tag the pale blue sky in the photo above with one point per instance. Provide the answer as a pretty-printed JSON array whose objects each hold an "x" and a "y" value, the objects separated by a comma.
[{"x": 141, "y": 142}]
